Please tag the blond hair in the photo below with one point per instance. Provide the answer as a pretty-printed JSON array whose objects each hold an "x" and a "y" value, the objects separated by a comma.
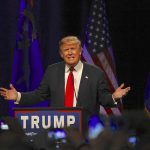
[{"x": 70, "y": 40}]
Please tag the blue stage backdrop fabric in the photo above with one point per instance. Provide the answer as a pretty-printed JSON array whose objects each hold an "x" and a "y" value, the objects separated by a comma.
[
  {"x": 147, "y": 94},
  {"x": 27, "y": 68}
]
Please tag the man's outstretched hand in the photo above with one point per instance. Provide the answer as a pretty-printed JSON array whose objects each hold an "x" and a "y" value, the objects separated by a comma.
[
  {"x": 120, "y": 92},
  {"x": 9, "y": 94}
]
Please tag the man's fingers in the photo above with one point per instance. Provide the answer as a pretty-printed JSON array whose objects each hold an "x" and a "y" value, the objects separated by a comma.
[
  {"x": 121, "y": 86},
  {"x": 6, "y": 98},
  {"x": 3, "y": 89},
  {"x": 127, "y": 89},
  {"x": 11, "y": 86},
  {"x": 3, "y": 93}
]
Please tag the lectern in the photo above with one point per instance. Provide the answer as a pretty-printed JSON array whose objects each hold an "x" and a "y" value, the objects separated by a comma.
[{"x": 33, "y": 120}]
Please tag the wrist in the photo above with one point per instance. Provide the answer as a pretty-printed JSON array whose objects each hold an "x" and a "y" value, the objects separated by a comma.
[
  {"x": 114, "y": 99},
  {"x": 16, "y": 96}
]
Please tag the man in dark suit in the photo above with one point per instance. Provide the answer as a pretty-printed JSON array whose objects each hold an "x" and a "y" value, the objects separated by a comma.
[{"x": 90, "y": 87}]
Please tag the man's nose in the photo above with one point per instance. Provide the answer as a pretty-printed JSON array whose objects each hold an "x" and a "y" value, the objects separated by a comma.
[{"x": 70, "y": 51}]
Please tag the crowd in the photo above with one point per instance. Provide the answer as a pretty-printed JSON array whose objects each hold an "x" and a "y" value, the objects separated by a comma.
[{"x": 131, "y": 131}]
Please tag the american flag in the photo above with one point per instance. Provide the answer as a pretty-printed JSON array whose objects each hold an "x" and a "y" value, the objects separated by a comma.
[{"x": 97, "y": 48}]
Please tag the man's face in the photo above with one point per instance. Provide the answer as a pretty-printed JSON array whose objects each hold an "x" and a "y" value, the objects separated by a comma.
[{"x": 71, "y": 53}]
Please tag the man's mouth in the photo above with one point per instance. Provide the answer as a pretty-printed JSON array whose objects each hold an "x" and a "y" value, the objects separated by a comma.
[{"x": 70, "y": 58}]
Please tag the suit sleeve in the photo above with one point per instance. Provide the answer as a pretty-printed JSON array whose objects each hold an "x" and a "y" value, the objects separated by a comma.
[
  {"x": 104, "y": 95},
  {"x": 41, "y": 93}
]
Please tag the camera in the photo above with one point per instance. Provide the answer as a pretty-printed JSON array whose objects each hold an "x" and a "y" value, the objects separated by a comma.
[
  {"x": 56, "y": 137},
  {"x": 132, "y": 140},
  {"x": 3, "y": 126},
  {"x": 95, "y": 127},
  {"x": 56, "y": 134}
]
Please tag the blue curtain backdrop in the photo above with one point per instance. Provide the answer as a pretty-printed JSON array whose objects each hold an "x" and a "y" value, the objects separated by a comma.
[
  {"x": 129, "y": 29},
  {"x": 147, "y": 94}
]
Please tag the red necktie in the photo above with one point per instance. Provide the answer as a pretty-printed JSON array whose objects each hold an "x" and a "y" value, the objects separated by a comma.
[{"x": 69, "y": 94}]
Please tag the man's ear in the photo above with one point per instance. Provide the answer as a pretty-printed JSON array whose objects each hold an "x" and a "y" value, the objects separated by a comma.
[
  {"x": 61, "y": 55},
  {"x": 81, "y": 50}
]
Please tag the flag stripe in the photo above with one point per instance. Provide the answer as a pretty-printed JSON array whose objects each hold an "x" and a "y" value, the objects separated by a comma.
[
  {"x": 108, "y": 69},
  {"x": 97, "y": 48},
  {"x": 88, "y": 58}
]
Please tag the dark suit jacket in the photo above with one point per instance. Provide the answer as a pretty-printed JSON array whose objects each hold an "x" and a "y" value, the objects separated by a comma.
[{"x": 93, "y": 89}]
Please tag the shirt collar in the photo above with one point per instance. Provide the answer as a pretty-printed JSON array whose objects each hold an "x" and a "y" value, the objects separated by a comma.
[{"x": 76, "y": 68}]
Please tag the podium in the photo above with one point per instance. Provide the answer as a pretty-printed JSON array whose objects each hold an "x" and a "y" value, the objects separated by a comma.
[{"x": 33, "y": 120}]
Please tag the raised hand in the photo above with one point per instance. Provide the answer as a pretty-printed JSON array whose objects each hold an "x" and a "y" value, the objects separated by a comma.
[
  {"x": 9, "y": 94},
  {"x": 121, "y": 92}
]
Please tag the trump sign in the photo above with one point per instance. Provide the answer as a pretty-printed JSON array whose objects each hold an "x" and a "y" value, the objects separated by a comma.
[{"x": 32, "y": 120}]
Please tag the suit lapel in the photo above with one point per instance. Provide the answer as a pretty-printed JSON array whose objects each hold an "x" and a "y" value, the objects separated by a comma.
[{"x": 83, "y": 84}]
